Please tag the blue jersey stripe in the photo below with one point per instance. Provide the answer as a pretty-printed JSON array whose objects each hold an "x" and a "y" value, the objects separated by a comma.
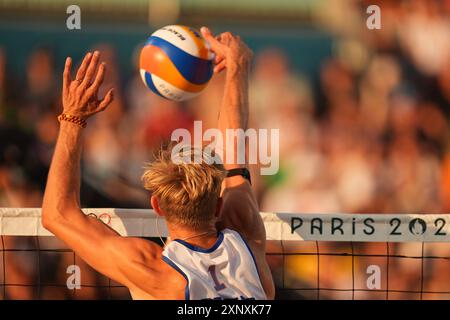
[
  {"x": 173, "y": 265},
  {"x": 202, "y": 250},
  {"x": 251, "y": 253}
]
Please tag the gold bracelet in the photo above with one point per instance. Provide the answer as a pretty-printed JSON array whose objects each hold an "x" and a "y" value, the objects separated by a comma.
[{"x": 76, "y": 120}]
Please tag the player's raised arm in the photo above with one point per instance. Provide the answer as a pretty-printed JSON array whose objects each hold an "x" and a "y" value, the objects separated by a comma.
[
  {"x": 240, "y": 209},
  {"x": 91, "y": 239},
  {"x": 79, "y": 97}
]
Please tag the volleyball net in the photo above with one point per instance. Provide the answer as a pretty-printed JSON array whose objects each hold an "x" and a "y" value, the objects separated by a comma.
[{"x": 312, "y": 256}]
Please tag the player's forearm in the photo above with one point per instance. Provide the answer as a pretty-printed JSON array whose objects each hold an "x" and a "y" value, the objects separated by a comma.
[
  {"x": 62, "y": 193},
  {"x": 234, "y": 110}
]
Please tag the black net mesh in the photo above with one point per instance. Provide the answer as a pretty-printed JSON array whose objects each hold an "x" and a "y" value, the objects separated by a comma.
[
  {"x": 360, "y": 270},
  {"x": 42, "y": 267}
]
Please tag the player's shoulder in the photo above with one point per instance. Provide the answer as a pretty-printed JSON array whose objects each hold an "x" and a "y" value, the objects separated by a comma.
[
  {"x": 241, "y": 242},
  {"x": 144, "y": 268},
  {"x": 136, "y": 249},
  {"x": 229, "y": 233},
  {"x": 234, "y": 234}
]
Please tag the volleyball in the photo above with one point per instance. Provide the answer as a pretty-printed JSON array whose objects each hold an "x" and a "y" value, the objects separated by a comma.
[{"x": 176, "y": 63}]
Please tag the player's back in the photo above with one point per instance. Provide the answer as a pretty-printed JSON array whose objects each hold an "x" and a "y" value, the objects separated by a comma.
[{"x": 227, "y": 270}]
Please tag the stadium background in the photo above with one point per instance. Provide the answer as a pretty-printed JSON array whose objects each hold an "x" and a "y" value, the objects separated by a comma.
[{"x": 363, "y": 114}]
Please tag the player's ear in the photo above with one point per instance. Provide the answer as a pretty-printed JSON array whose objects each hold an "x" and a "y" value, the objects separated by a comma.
[
  {"x": 219, "y": 206},
  {"x": 155, "y": 206}
]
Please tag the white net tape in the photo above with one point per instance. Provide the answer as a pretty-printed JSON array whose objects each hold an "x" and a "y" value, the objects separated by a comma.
[{"x": 279, "y": 226}]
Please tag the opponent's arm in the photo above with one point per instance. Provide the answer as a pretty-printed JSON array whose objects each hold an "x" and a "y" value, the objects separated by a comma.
[{"x": 100, "y": 246}]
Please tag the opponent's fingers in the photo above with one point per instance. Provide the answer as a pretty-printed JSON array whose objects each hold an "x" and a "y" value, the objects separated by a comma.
[
  {"x": 66, "y": 75},
  {"x": 106, "y": 101},
  {"x": 219, "y": 67},
  {"x": 98, "y": 78},
  {"x": 91, "y": 69},
  {"x": 83, "y": 67}
]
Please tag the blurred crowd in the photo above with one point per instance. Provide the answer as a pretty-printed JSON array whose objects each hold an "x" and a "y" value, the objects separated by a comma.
[
  {"x": 373, "y": 136},
  {"x": 370, "y": 134}
]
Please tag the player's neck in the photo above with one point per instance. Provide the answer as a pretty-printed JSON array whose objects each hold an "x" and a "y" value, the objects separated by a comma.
[{"x": 202, "y": 237}]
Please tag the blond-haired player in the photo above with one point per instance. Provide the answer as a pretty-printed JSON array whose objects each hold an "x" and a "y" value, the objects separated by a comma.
[{"x": 217, "y": 238}]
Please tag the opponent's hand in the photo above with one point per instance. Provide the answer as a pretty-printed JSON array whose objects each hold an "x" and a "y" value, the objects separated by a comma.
[
  {"x": 229, "y": 49},
  {"x": 79, "y": 96}
]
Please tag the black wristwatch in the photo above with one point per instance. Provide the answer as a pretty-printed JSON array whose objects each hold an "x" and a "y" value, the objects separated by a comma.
[{"x": 240, "y": 172}]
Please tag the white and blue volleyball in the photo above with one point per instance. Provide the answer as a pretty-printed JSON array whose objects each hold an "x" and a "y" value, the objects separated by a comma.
[{"x": 176, "y": 62}]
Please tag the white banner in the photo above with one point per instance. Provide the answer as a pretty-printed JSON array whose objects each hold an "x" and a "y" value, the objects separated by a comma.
[{"x": 279, "y": 226}]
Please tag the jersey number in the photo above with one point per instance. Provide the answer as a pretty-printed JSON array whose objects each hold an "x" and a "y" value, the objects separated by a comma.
[{"x": 217, "y": 285}]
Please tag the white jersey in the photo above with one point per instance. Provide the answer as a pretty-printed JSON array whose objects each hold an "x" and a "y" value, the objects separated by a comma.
[{"x": 227, "y": 270}]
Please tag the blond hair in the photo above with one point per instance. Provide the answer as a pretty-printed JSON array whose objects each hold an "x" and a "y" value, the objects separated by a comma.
[{"x": 187, "y": 191}]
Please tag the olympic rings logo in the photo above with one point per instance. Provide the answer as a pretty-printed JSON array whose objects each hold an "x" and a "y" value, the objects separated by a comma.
[{"x": 103, "y": 217}]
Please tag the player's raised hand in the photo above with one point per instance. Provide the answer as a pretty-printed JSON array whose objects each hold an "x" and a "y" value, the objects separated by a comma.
[
  {"x": 229, "y": 49},
  {"x": 80, "y": 96}
]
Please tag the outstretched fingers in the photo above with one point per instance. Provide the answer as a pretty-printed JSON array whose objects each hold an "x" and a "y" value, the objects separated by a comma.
[
  {"x": 80, "y": 94},
  {"x": 220, "y": 66},
  {"x": 83, "y": 67},
  {"x": 98, "y": 78},
  {"x": 218, "y": 59},
  {"x": 66, "y": 76},
  {"x": 216, "y": 46},
  {"x": 106, "y": 101},
  {"x": 90, "y": 72}
]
